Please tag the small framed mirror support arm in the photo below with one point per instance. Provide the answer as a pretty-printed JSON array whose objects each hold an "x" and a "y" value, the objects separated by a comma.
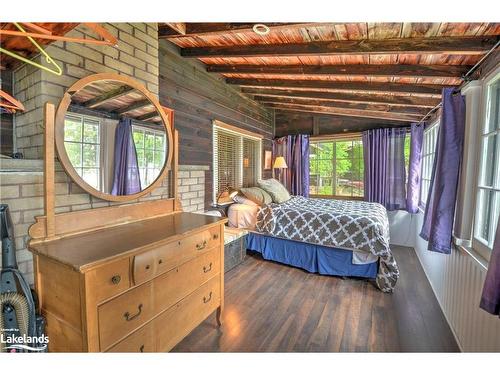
[{"x": 52, "y": 226}]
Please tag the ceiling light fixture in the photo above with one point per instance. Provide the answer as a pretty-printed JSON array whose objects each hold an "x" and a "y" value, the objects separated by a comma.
[{"x": 261, "y": 29}]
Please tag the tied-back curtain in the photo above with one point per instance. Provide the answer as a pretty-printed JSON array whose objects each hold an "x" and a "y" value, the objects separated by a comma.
[
  {"x": 295, "y": 150},
  {"x": 385, "y": 175},
  {"x": 396, "y": 172},
  {"x": 440, "y": 208},
  {"x": 126, "y": 170},
  {"x": 414, "y": 167},
  {"x": 490, "y": 299}
]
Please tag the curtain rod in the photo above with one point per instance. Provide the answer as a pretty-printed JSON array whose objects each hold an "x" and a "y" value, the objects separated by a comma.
[{"x": 465, "y": 78}]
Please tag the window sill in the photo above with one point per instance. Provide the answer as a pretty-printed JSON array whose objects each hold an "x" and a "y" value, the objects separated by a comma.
[{"x": 474, "y": 255}]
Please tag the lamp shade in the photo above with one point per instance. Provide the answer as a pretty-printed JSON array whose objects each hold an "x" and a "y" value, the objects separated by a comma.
[{"x": 280, "y": 163}]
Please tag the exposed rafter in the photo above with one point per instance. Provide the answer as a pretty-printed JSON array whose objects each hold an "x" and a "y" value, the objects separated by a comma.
[
  {"x": 414, "y": 88},
  {"x": 134, "y": 106},
  {"x": 350, "y": 105},
  {"x": 148, "y": 116},
  {"x": 407, "y": 101},
  {"x": 393, "y": 70},
  {"x": 104, "y": 98},
  {"x": 173, "y": 30},
  {"x": 345, "y": 112},
  {"x": 448, "y": 45}
]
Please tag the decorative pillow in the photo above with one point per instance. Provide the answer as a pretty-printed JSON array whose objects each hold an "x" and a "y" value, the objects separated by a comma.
[
  {"x": 275, "y": 189},
  {"x": 257, "y": 195},
  {"x": 244, "y": 200}
]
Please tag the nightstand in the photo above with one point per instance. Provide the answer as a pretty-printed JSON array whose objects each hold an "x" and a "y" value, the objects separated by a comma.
[{"x": 222, "y": 208}]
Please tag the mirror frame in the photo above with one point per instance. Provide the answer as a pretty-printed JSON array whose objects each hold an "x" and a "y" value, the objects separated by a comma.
[{"x": 59, "y": 135}]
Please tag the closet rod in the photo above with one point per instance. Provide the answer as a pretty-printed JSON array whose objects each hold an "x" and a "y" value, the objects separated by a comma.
[{"x": 465, "y": 78}]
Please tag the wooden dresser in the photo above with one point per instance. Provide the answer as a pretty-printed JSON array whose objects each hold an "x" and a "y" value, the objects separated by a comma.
[{"x": 136, "y": 287}]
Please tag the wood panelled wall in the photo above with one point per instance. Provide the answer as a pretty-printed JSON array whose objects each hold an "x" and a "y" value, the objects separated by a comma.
[
  {"x": 303, "y": 123},
  {"x": 6, "y": 120},
  {"x": 198, "y": 98}
]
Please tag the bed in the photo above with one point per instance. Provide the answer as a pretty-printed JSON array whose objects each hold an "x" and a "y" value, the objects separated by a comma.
[{"x": 327, "y": 236}]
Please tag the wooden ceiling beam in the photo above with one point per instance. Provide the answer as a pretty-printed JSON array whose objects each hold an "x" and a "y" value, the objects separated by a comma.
[
  {"x": 393, "y": 70},
  {"x": 450, "y": 45},
  {"x": 171, "y": 29},
  {"x": 168, "y": 31},
  {"x": 413, "y": 88},
  {"x": 134, "y": 106},
  {"x": 148, "y": 116},
  {"x": 419, "y": 112},
  {"x": 108, "y": 96},
  {"x": 407, "y": 101},
  {"x": 346, "y": 112}
]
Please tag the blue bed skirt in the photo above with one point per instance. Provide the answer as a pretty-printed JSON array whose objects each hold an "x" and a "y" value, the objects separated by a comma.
[{"x": 313, "y": 258}]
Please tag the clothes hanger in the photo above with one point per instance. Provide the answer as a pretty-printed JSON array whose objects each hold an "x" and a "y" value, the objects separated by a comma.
[{"x": 56, "y": 70}]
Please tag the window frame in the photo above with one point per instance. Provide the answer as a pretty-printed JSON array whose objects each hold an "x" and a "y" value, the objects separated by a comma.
[
  {"x": 434, "y": 127},
  {"x": 338, "y": 138},
  {"x": 144, "y": 130},
  {"x": 241, "y": 134},
  {"x": 100, "y": 153},
  {"x": 478, "y": 244}
]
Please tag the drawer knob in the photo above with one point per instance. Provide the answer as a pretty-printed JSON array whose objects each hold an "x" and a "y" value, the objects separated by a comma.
[
  {"x": 207, "y": 299},
  {"x": 141, "y": 349},
  {"x": 128, "y": 317},
  {"x": 160, "y": 261},
  {"x": 148, "y": 266},
  {"x": 216, "y": 236},
  {"x": 116, "y": 279},
  {"x": 201, "y": 245},
  {"x": 207, "y": 269}
]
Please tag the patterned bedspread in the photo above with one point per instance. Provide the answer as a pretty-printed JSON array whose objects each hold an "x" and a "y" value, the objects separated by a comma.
[{"x": 352, "y": 225}]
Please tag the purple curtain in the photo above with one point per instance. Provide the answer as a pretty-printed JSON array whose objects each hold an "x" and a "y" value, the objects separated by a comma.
[
  {"x": 126, "y": 170},
  {"x": 396, "y": 170},
  {"x": 375, "y": 144},
  {"x": 414, "y": 168},
  {"x": 385, "y": 175},
  {"x": 440, "y": 208},
  {"x": 295, "y": 150},
  {"x": 490, "y": 300}
]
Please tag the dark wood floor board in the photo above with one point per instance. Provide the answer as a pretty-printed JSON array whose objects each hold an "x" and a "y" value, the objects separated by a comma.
[{"x": 271, "y": 307}]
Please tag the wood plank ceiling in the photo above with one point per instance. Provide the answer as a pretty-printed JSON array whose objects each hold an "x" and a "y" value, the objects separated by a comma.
[{"x": 390, "y": 71}]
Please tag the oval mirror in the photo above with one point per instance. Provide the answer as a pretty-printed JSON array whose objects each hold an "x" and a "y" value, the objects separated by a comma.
[{"x": 113, "y": 137}]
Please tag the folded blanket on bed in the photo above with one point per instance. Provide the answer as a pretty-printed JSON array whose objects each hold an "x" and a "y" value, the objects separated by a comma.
[{"x": 352, "y": 225}]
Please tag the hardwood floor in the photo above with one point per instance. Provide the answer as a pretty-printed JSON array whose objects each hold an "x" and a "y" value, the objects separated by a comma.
[{"x": 271, "y": 307}]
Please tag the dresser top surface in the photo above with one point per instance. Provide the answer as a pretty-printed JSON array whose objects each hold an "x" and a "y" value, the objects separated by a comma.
[{"x": 88, "y": 250}]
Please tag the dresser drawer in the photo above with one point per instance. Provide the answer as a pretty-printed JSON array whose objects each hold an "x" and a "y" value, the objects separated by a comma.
[
  {"x": 122, "y": 315},
  {"x": 174, "y": 285},
  {"x": 166, "y": 257},
  {"x": 141, "y": 341},
  {"x": 176, "y": 323},
  {"x": 109, "y": 280}
]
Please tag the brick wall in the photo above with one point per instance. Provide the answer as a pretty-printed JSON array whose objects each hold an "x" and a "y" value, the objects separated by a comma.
[
  {"x": 21, "y": 188},
  {"x": 135, "y": 55},
  {"x": 192, "y": 187}
]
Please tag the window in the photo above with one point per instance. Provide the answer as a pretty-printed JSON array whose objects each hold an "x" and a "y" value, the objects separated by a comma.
[
  {"x": 337, "y": 167},
  {"x": 150, "y": 148},
  {"x": 237, "y": 158},
  {"x": 82, "y": 143},
  {"x": 428, "y": 152},
  {"x": 488, "y": 186}
]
